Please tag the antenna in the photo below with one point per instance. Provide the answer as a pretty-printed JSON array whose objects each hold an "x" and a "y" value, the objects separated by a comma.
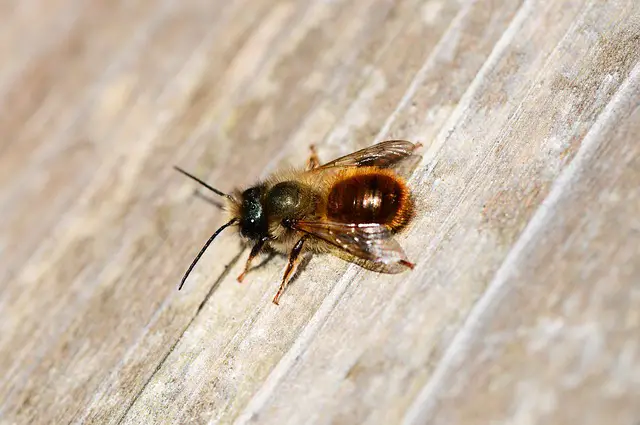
[
  {"x": 211, "y": 188},
  {"x": 204, "y": 248}
]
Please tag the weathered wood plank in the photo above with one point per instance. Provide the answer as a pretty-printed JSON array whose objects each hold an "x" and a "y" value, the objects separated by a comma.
[
  {"x": 573, "y": 279},
  {"x": 493, "y": 164},
  {"x": 74, "y": 251},
  {"x": 95, "y": 208},
  {"x": 72, "y": 122},
  {"x": 28, "y": 29},
  {"x": 221, "y": 303},
  {"x": 96, "y": 229},
  {"x": 79, "y": 324}
]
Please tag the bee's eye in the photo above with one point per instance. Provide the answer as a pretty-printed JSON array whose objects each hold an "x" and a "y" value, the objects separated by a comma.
[{"x": 253, "y": 223}]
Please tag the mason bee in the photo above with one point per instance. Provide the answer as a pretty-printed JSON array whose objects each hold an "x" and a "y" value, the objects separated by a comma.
[{"x": 350, "y": 207}]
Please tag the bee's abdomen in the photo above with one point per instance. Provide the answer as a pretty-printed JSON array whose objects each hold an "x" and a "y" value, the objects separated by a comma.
[{"x": 371, "y": 197}]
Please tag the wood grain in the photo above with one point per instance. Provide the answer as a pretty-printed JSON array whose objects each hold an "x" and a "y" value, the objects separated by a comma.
[{"x": 523, "y": 307}]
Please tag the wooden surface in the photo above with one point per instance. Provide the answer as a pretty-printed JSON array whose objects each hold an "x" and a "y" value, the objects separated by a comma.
[{"x": 524, "y": 307}]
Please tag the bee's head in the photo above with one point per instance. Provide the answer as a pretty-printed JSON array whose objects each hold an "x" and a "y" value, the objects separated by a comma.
[{"x": 253, "y": 214}]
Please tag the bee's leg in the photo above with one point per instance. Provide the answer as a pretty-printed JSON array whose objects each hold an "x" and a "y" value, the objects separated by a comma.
[
  {"x": 254, "y": 252},
  {"x": 407, "y": 264},
  {"x": 313, "y": 161},
  {"x": 293, "y": 257}
]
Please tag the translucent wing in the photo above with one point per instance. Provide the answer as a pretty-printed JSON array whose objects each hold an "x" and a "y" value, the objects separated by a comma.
[
  {"x": 371, "y": 241},
  {"x": 383, "y": 154}
]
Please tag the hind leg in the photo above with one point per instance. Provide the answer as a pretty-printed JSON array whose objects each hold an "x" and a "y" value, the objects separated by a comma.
[
  {"x": 293, "y": 260},
  {"x": 313, "y": 161}
]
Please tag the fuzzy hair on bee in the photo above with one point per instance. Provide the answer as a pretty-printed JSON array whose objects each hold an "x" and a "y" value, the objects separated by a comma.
[{"x": 350, "y": 207}]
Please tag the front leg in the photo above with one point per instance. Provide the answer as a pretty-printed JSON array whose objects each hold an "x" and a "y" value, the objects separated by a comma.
[
  {"x": 293, "y": 257},
  {"x": 254, "y": 252}
]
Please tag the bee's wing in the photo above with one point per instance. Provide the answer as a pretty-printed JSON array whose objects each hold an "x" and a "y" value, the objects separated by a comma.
[
  {"x": 383, "y": 154},
  {"x": 371, "y": 241}
]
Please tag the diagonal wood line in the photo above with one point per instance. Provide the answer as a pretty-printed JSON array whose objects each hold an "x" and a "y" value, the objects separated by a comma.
[
  {"x": 104, "y": 76},
  {"x": 138, "y": 40},
  {"x": 70, "y": 13},
  {"x": 443, "y": 135},
  {"x": 164, "y": 358},
  {"x": 185, "y": 149},
  {"x": 278, "y": 157},
  {"x": 233, "y": 342},
  {"x": 2, "y": 300},
  {"x": 464, "y": 103},
  {"x": 426, "y": 400},
  {"x": 308, "y": 334},
  {"x": 420, "y": 76},
  {"x": 450, "y": 124}
]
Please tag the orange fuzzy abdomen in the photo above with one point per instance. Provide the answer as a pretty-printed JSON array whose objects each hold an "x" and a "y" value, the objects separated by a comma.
[{"x": 372, "y": 196}]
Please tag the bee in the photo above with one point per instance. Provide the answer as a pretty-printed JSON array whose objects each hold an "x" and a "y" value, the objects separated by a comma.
[{"x": 350, "y": 207}]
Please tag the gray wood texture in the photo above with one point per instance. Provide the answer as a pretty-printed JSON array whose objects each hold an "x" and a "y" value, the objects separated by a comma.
[{"x": 524, "y": 307}]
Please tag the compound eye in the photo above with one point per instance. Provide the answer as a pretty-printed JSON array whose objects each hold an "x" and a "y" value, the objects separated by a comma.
[{"x": 254, "y": 223}]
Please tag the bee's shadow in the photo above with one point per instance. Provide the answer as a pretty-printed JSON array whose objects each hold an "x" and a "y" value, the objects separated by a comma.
[
  {"x": 209, "y": 200},
  {"x": 302, "y": 266},
  {"x": 271, "y": 254}
]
